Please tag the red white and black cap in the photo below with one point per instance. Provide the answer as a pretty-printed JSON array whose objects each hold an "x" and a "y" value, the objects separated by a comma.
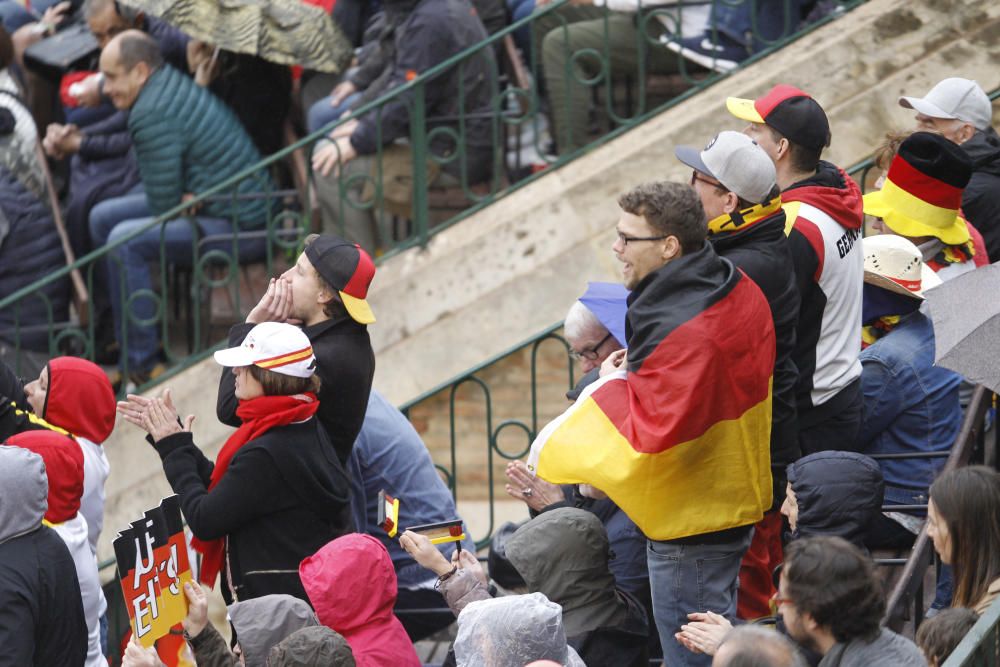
[
  {"x": 274, "y": 346},
  {"x": 348, "y": 269},
  {"x": 790, "y": 111}
]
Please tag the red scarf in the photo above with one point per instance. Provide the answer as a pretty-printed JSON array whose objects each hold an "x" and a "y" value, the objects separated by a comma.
[{"x": 259, "y": 415}]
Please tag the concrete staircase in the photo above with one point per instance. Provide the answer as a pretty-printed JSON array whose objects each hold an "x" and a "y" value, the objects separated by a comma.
[{"x": 513, "y": 269}]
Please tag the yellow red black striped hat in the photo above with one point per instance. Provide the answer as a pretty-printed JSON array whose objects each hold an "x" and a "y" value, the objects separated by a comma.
[
  {"x": 922, "y": 193},
  {"x": 274, "y": 346}
]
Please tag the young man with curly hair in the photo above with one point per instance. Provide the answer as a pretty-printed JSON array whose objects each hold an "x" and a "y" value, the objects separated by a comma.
[{"x": 832, "y": 602}]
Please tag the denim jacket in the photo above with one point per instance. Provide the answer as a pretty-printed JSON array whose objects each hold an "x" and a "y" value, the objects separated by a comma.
[{"x": 910, "y": 405}]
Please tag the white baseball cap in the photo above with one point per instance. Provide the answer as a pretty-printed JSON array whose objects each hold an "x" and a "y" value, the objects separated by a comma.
[
  {"x": 954, "y": 98},
  {"x": 274, "y": 346},
  {"x": 736, "y": 161},
  {"x": 895, "y": 264}
]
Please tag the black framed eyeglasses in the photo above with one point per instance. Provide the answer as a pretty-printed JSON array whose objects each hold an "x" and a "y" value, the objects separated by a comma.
[
  {"x": 696, "y": 176},
  {"x": 626, "y": 239},
  {"x": 591, "y": 353}
]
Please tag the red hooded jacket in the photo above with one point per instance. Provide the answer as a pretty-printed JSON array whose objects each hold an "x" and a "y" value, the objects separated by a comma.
[
  {"x": 352, "y": 586},
  {"x": 80, "y": 399},
  {"x": 63, "y": 467}
]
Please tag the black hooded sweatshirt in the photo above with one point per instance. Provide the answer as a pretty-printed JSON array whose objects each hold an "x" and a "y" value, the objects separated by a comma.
[
  {"x": 284, "y": 495},
  {"x": 981, "y": 198}
]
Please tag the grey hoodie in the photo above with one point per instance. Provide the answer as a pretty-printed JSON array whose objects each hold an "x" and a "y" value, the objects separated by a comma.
[
  {"x": 25, "y": 487},
  {"x": 262, "y": 623},
  {"x": 312, "y": 647}
]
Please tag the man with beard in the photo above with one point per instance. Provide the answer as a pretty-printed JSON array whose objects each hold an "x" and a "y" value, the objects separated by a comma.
[{"x": 832, "y": 602}]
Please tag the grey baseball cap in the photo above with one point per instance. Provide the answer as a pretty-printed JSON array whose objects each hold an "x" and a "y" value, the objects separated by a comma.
[
  {"x": 954, "y": 98},
  {"x": 736, "y": 161}
]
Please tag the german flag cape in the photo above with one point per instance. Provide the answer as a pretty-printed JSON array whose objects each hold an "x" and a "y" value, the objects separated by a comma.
[{"x": 681, "y": 440}]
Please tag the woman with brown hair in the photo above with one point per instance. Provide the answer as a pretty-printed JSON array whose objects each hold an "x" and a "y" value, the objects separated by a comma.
[
  {"x": 277, "y": 491},
  {"x": 963, "y": 520}
]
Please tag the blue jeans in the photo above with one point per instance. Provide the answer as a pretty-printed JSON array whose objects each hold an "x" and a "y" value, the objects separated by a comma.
[
  {"x": 13, "y": 15},
  {"x": 522, "y": 36},
  {"x": 685, "y": 578},
  {"x": 736, "y": 21},
  {"x": 128, "y": 265},
  {"x": 322, "y": 113}
]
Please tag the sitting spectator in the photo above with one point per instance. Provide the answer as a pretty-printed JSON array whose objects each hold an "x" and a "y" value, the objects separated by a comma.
[
  {"x": 836, "y": 494},
  {"x": 30, "y": 247},
  {"x": 626, "y": 540},
  {"x": 737, "y": 30},
  {"x": 832, "y": 601},
  {"x": 752, "y": 645},
  {"x": 938, "y": 636},
  {"x": 64, "y": 472},
  {"x": 259, "y": 92},
  {"x": 513, "y": 630},
  {"x": 389, "y": 455},
  {"x": 626, "y": 42},
  {"x": 42, "y": 622},
  {"x": 277, "y": 491},
  {"x": 260, "y": 625},
  {"x": 564, "y": 555},
  {"x": 420, "y": 36},
  {"x": 932, "y": 172},
  {"x": 351, "y": 584},
  {"x": 956, "y": 255},
  {"x": 911, "y": 405},
  {"x": 960, "y": 111},
  {"x": 312, "y": 647},
  {"x": 71, "y": 397},
  {"x": 963, "y": 520},
  {"x": 180, "y": 153}
]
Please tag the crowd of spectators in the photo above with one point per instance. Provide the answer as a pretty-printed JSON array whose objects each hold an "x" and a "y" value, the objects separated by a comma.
[{"x": 713, "y": 468}]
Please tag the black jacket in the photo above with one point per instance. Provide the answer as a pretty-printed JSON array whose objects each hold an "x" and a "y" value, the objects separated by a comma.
[
  {"x": 981, "y": 199},
  {"x": 419, "y": 35},
  {"x": 345, "y": 364},
  {"x": 41, "y": 611},
  {"x": 283, "y": 497},
  {"x": 761, "y": 250},
  {"x": 837, "y": 493},
  {"x": 30, "y": 249}
]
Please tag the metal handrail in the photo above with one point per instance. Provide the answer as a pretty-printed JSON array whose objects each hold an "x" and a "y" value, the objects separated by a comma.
[
  {"x": 423, "y": 131},
  {"x": 908, "y": 590},
  {"x": 981, "y": 645}
]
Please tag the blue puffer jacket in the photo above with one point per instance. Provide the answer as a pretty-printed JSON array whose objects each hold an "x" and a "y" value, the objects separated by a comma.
[
  {"x": 186, "y": 141},
  {"x": 30, "y": 249}
]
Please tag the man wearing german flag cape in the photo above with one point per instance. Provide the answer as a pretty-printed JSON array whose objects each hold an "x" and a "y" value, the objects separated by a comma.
[{"x": 678, "y": 434}]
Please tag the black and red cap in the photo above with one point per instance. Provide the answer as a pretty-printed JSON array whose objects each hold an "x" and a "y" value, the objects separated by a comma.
[
  {"x": 348, "y": 269},
  {"x": 790, "y": 111}
]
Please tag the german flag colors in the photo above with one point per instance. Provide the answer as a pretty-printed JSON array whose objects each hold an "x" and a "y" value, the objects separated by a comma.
[{"x": 680, "y": 441}]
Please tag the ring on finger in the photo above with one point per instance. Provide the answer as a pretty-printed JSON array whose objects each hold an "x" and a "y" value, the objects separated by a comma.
[{"x": 527, "y": 492}]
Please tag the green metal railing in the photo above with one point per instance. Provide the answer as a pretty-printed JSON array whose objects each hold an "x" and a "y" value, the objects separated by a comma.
[
  {"x": 460, "y": 121},
  {"x": 981, "y": 645}
]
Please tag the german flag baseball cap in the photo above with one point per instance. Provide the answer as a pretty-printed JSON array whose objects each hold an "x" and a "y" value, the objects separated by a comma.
[
  {"x": 922, "y": 193},
  {"x": 348, "y": 269},
  {"x": 274, "y": 346},
  {"x": 793, "y": 113}
]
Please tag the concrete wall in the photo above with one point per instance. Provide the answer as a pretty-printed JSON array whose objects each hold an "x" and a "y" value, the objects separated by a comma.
[{"x": 512, "y": 270}]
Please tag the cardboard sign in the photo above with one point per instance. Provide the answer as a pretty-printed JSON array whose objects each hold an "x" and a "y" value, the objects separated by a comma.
[{"x": 153, "y": 567}]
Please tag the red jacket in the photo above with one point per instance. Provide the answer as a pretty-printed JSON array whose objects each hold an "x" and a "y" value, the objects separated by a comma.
[{"x": 352, "y": 586}]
